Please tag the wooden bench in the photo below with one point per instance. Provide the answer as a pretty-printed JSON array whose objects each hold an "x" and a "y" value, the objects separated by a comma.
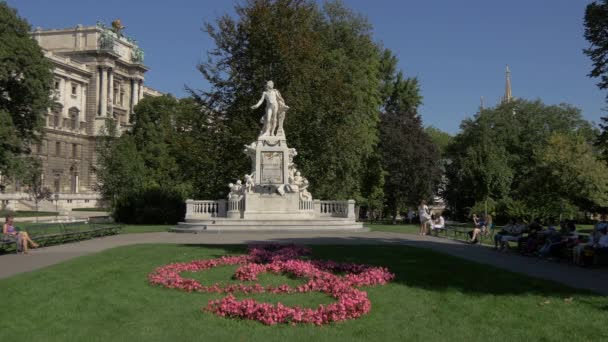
[{"x": 47, "y": 234}]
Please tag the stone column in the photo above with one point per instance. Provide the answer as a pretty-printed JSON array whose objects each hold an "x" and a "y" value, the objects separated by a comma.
[
  {"x": 111, "y": 87},
  {"x": 135, "y": 92},
  {"x": 351, "y": 210},
  {"x": 104, "y": 92},
  {"x": 141, "y": 91}
]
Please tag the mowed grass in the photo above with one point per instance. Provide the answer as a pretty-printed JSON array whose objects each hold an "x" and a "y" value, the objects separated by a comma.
[
  {"x": 394, "y": 228},
  {"x": 106, "y": 297}
]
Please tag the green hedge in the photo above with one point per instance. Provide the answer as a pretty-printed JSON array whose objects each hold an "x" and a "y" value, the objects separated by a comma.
[
  {"x": 91, "y": 209},
  {"x": 23, "y": 213},
  {"x": 154, "y": 206}
]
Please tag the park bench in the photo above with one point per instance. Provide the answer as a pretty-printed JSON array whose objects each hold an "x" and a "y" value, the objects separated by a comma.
[{"x": 47, "y": 234}]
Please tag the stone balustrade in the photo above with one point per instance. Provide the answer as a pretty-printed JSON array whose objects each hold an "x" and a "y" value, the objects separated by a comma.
[
  {"x": 307, "y": 205},
  {"x": 205, "y": 209},
  {"x": 336, "y": 208}
]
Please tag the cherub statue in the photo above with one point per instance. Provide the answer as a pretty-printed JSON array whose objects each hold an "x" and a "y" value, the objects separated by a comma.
[
  {"x": 305, "y": 195},
  {"x": 236, "y": 190},
  {"x": 249, "y": 183},
  {"x": 275, "y": 111}
]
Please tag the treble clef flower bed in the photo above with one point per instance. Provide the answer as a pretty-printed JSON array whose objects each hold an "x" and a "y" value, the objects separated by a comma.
[{"x": 280, "y": 259}]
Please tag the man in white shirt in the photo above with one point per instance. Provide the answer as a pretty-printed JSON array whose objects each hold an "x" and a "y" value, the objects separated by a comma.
[{"x": 438, "y": 223}]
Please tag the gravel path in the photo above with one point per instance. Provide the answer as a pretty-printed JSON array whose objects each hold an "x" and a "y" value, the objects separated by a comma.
[{"x": 591, "y": 279}]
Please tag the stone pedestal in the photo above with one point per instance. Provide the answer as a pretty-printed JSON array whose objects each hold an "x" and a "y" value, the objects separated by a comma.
[
  {"x": 274, "y": 206},
  {"x": 273, "y": 197}
]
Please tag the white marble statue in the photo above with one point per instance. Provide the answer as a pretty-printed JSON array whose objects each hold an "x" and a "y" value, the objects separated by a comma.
[
  {"x": 236, "y": 190},
  {"x": 275, "y": 111},
  {"x": 305, "y": 195},
  {"x": 249, "y": 183},
  {"x": 250, "y": 150}
]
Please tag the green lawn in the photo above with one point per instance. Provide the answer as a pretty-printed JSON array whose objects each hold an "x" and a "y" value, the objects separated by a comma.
[
  {"x": 393, "y": 228},
  {"x": 106, "y": 297},
  {"x": 136, "y": 228},
  {"x": 25, "y": 213}
]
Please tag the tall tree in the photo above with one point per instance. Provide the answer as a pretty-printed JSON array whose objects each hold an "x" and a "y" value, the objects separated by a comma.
[
  {"x": 596, "y": 33},
  {"x": 25, "y": 87},
  {"x": 494, "y": 155},
  {"x": 326, "y": 65},
  {"x": 410, "y": 159}
]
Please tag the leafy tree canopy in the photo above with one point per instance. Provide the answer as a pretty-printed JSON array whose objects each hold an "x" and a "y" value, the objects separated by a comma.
[{"x": 25, "y": 88}]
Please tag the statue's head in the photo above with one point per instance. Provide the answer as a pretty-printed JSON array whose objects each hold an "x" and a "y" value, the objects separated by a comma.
[
  {"x": 269, "y": 85},
  {"x": 238, "y": 182},
  {"x": 297, "y": 173},
  {"x": 230, "y": 185}
]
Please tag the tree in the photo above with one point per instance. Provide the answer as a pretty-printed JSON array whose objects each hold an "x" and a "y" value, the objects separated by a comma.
[
  {"x": 31, "y": 175},
  {"x": 120, "y": 169},
  {"x": 25, "y": 88},
  {"x": 410, "y": 159},
  {"x": 569, "y": 171},
  {"x": 494, "y": 156},
  {"x": 326, "y": 65},
  {"x": 440, "y": 138},
  {"x": 596, "y": 33}
]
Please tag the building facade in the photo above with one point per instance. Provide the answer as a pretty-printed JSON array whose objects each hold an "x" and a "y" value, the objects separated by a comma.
[{"x": 98, "y": 80}]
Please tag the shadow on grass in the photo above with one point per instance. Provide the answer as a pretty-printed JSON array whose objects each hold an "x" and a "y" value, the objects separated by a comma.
[{"x": 420, "y": 265}]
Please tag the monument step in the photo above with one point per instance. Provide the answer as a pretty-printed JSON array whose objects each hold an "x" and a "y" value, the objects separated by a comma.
[{"x": 195, "y": 229}]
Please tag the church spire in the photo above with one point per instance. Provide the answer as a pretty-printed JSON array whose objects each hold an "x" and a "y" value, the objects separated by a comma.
[
  {"x": 482, "y": 104},
  {"x": 508, "y": 95}
]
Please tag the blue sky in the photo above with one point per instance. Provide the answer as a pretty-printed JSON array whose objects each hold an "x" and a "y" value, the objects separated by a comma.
[{"x": 457, "y": 49}]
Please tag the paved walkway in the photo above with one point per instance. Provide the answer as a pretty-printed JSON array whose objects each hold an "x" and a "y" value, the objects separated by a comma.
[{"x": 591, "y": 279}]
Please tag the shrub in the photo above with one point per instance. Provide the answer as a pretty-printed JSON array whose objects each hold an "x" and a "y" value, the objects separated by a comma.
[{"x": 151, "y": 206}]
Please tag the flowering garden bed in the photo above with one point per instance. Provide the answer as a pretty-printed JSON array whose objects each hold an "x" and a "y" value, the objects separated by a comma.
[{"x": 352, "y": 302}]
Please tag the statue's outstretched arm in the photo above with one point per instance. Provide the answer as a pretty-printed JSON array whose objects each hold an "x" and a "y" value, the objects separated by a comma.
[{"x": 259, "y": 102}]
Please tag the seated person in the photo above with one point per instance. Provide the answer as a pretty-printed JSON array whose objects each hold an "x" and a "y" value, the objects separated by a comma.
[
  {"x": 22, "y": 238},
  {"x": 485, "y": 225},
  {"x": 535, "y": 238},
  {"x": 504, "y": 231},
  {"x": 597, "y": 244},
  {"x": 512, "y": 234},
  {"x": 438, "y": 223}
]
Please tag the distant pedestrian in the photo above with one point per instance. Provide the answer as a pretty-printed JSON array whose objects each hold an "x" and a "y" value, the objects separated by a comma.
[
  {"x": 425, "y": 217},
  {"x": 410, "y": 215}
]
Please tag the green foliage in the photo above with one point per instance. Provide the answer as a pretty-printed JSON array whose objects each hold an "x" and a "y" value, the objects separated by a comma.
[
  {"x": 120, "y": 168},
  {"x": 510, "y": 151},
  {"x": 25, "y": 88},
  {"x": 596, "y": 28},
  {"x": 326, "y": 66},
  {"x": 139, "y": 172},
  {"x": 410, "y": 159},
  {"x": 568, "y": 169},
  {"x": 440, "y": 138},
  {"x": 150, "y": 206}
]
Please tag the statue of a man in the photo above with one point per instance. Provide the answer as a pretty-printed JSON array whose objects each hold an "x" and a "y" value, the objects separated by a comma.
[{"x": 275, "y": 111}]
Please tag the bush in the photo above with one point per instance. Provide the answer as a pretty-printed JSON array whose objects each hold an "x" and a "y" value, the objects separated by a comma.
[{"x": 153, "y": 206}]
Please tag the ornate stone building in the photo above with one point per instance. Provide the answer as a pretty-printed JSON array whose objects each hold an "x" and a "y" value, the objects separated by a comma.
[{"x": 98, "y": 78}]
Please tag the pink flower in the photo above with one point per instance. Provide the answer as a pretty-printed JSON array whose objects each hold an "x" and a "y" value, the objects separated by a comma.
[{"x": 351, "y": 302}]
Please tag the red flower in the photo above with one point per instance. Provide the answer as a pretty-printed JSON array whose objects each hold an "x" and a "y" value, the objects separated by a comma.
[{"x": 351, "y": 302}]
